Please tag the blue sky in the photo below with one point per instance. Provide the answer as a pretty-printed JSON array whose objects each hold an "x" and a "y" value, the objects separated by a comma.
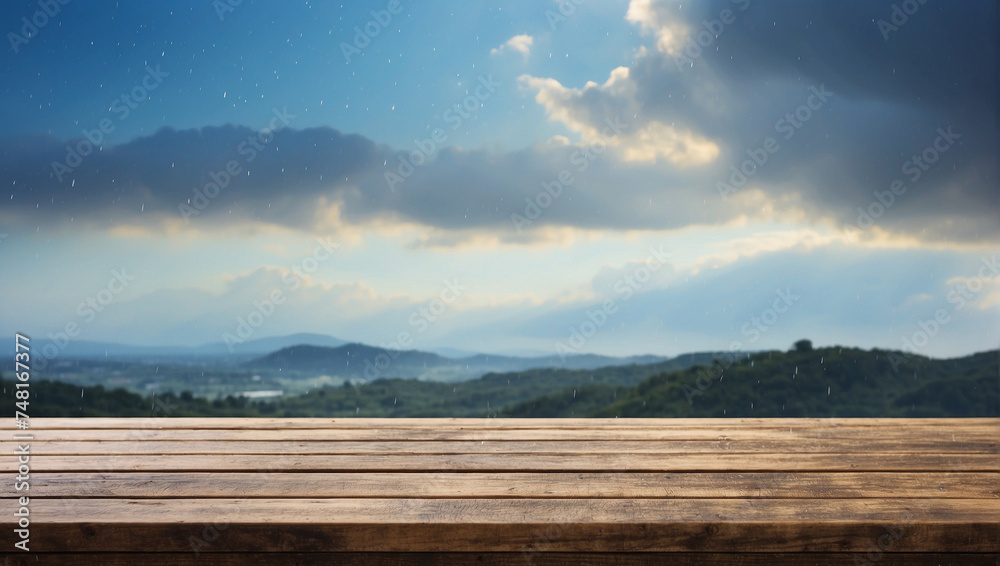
[
  {"x": 702, "y": 160},
  {"x": 262, "y": 53}
]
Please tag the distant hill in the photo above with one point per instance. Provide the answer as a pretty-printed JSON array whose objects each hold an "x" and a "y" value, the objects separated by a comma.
[
  {"x": 313, "y": 355},
  {"x": 486, "y": 396},
  {"x": 350, "y": 359},
  {"x": 85, "y": 349},
  {"x": 360, "y": 362},
  {"x": 264, "y": 345},
  {"x": 826, "y": 382}
]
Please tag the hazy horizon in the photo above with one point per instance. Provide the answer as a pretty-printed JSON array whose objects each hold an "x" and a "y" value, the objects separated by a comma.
[{"x": 457, "y": 353}]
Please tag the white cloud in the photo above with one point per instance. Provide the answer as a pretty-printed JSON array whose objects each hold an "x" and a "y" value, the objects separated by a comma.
[
  {"x": 760, "y": 243},
  {"x": 653, "y": 19},
  {"x": 520, "y": 43},
  {"x": 587, "y": 110},
  {"x": 660, "y": 141}
]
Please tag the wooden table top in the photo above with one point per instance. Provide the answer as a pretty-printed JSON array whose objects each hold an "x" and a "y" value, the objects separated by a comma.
[{"x": 507, "y": 491}]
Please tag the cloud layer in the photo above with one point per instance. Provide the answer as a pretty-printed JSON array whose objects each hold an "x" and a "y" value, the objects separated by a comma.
[{"x": 839, "y": 108}]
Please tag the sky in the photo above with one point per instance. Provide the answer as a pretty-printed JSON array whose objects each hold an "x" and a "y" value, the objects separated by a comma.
[{"x": 616, "y": 177}]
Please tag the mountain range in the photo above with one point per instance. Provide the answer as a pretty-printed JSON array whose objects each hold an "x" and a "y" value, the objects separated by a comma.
[
  {"x": 825, "y": 382},
  {"x": 320, "y": 355},
  {"x": 258, "y": 347},
  {"x": 360, "y": 362}
]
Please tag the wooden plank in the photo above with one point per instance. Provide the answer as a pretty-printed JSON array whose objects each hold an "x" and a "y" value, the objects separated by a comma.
[
  {"x": 940, "y": 435},
  {"x": 511, "y": 525},
  {"x": 506, "y": 424},
  {"x": 525, "y": 462},
  {"x": 510, "y": 489},
  {"x": 844, "y": 485},
  {"x": 523, "y": 558},
  {"x": 271, "y": 447}
]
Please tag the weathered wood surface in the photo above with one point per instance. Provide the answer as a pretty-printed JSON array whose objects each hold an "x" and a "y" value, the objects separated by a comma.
[
  {"x": 507, "y": 559},
  {"x": 478, "y": 491},
  {"x": 589, "y": 485}
]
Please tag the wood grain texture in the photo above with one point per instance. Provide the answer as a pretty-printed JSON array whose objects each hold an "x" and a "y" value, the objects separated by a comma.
[
  {"x": 587, "y": 485},
  {"x": 489, "y": 491},
  {"x": 982, "y": 434},
  {"x": 524, "y": 462},
  {"x": 271, "y": 447},
  {"x": 506, "y": 525},
  {"x": 501, "y": 559}
]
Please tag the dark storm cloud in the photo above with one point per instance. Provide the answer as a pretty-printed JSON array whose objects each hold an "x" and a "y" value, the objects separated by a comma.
[
  {"x": 894, "y": 86},
  {"x": 280, "y": 180},
  {"x": 160, "y": 173}
]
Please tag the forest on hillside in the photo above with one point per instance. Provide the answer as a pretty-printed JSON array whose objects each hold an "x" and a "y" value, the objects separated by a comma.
[{"x": 803, "y": 382}]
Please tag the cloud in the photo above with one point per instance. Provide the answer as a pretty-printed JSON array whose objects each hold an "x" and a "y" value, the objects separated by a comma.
[
  {"x": 163, "y": 176},
  {"x": 319, "y": 180},
  {"x": 681, "y": 130},
  {"x": 520, "y": 43},
  {"x": 655, "y": 18},
  {"x": 589, "y": 110},
  {"x": 839, "y": 297},
  {"x": 709, "y": 93},
  {"x": 192, "y": 315}
]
